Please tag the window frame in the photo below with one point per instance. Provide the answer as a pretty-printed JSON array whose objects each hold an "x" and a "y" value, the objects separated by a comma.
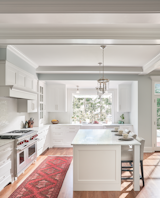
[{"x": 114, "y": 103}]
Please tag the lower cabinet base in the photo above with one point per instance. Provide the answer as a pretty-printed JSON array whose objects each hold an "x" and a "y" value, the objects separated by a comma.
[
  {"x": 41, "y": 150},
  {"x": 6, "y": 180}
]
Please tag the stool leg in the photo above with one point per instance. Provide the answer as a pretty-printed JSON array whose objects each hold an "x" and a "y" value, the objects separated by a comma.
[{"x": 142, "y": 171}]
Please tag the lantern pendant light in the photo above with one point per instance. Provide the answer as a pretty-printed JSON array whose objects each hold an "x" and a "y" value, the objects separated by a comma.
[{"x": 102, "y": 82}]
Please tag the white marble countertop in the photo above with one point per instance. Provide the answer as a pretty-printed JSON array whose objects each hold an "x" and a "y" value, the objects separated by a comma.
[
  {"x": 94, "y": 124},
  {"x": 99, "y": 137},
  {"x": 3, "y": 142}
]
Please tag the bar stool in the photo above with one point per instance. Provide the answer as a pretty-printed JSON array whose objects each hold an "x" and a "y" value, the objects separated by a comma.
[{"x": 127, "y": 157}]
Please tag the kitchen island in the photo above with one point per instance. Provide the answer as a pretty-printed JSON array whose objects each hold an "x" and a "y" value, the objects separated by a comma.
[{"x": 97, "y": 160}]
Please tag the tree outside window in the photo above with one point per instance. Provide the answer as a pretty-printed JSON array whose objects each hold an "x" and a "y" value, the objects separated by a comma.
[{"x": 90, "y": 109}]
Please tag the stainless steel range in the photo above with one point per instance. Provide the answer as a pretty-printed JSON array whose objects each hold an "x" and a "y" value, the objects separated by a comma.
[{"x": 25, "y": 148}]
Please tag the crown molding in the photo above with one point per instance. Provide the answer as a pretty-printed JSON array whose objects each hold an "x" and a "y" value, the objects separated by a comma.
[
  {"x": 153, "y": 64},
  {"x": 155, "y": 78},
  {"x": 22, "y": 56}
]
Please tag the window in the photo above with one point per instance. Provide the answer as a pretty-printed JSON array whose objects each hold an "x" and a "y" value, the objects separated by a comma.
[
  {"x": 157, "y": 88},
  {"x": 90, "y": 109}
]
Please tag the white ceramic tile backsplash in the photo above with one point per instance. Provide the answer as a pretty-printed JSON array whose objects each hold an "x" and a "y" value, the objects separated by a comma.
[{"x": 9, "y": 118}]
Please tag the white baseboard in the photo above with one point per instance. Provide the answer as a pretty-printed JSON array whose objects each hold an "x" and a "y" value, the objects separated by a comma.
[{"x": 148, "y": 150}]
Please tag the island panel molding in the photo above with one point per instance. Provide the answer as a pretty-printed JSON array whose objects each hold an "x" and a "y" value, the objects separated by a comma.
[{"x": 97, "y": 168}]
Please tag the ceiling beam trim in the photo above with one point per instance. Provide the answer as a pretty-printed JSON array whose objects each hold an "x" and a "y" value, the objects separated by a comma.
[{"x": 88, "y": 69}]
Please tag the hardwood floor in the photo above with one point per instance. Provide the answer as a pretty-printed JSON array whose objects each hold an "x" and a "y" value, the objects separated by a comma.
[{"x": 151, "y": 174}]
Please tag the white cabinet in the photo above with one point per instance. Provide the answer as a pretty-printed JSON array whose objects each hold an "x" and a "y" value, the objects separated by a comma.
[
  {"x": 12, "y": 75},
  {"x": 43, "y": 141},
  {"x": 21, "y": 79},
  {"x": 56, "y": 98},
  {"x": 29, "y": 106},
  {"x": 63, "y": 135},
  {"x": 6, "y": 164},
  {"x": 124, "y": 98}
]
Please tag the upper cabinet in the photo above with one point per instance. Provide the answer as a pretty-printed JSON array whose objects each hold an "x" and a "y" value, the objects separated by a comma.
[
  {"x": 56, "y": 98},
  {"x": 29, "y": 106},
  {"x": 12, "y": 75},
  {"x": 124, "y": 98}
]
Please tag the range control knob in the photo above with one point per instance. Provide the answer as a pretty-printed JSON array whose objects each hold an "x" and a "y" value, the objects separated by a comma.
[
  {"x": 20, "y": 143},
  {"x": 26, "y": 140}
]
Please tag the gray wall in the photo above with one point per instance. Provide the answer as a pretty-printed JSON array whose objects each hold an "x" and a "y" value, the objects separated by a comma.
[
  {"x": 144, "y": 97},
  {"x": 3, "y": 54}
]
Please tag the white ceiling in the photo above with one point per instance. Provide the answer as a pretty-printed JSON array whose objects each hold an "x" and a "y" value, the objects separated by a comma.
[
  {"x": 89, "y": 83},
  {"x": 89, "y": 55}
]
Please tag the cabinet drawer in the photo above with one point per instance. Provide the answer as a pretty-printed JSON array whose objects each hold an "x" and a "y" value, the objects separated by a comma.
[
  {"x": 71, "y": 128},
  {"x": 41, "y": 137},
  {"x": 4, "y": 180},
  {"x": 5, "y": 167},
  {"x": 6, "y": 152},
  {"x": 57, "y": 142},
  {"x": 57, "y": 133},
  {"x": 71, "y": 132},
  {"x": 55, "y": 137},
  {"x": 40, "y": 144},
  {"x": 58, "y": 128},
  {"x": 42, "y": 133},
  {"x": 40, "y": 151}
]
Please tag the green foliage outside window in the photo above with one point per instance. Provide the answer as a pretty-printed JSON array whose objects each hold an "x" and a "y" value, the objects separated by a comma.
[
  {"x": 92, "y": 109},
  {"x": 157, "y": 88}
]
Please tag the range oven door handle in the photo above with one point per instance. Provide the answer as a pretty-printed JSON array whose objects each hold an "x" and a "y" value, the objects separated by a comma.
[{"x": 26, "y": 146}]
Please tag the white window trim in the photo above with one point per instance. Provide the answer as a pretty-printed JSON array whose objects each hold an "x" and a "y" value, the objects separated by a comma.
[{"x": 114, "y": 103}]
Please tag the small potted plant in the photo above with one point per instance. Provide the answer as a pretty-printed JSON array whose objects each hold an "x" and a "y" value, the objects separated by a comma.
[{"x": 122, "y": 119}]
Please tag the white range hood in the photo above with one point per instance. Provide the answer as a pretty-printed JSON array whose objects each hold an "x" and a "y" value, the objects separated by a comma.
[{"x": 16, "y": 92}]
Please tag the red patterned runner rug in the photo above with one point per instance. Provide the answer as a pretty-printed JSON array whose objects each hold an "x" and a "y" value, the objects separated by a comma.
[{"x": 46, "y": 180}]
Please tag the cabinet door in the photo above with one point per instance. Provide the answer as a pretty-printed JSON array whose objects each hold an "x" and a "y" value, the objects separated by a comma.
[
  {"x": 21, "y": 79},
  {"x": 32, "y": 106},
  {"x": 11, "y": 76},
  {"x": 35, "y": 85},
  {"x": 29, "y": 83},
  {"x": 56, "y": 98}
]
